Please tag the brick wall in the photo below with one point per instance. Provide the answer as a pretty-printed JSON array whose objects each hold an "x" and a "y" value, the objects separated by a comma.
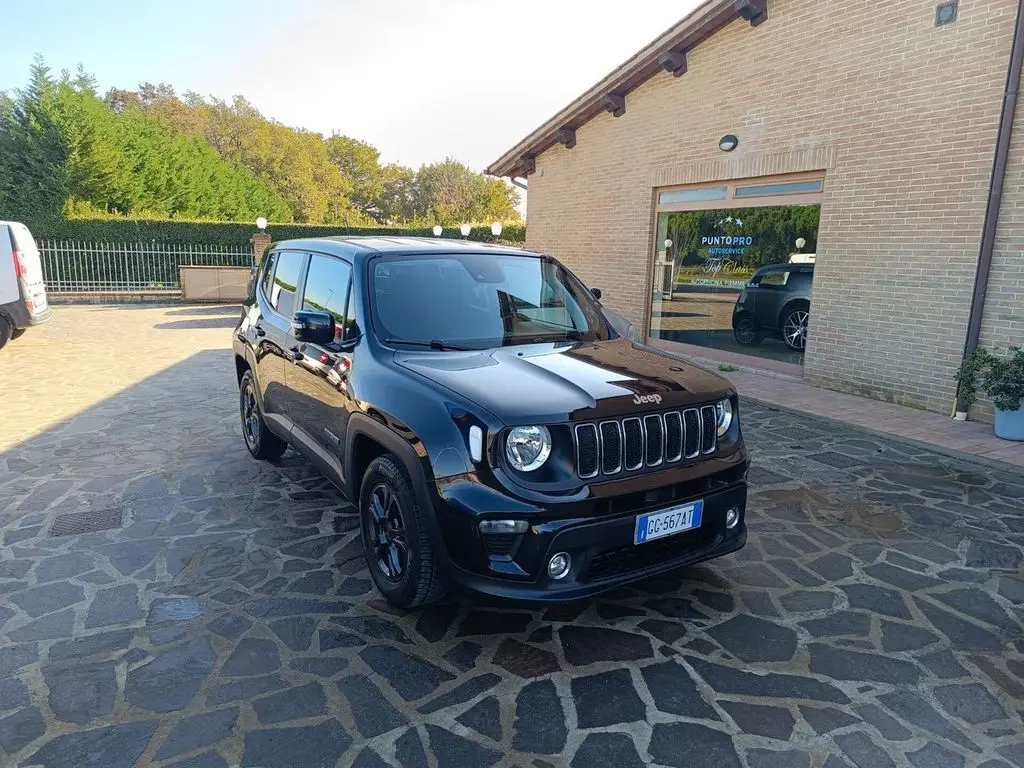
[
  {"x": 1003, "y": 321},
  {"x": 903, "y": 117}
]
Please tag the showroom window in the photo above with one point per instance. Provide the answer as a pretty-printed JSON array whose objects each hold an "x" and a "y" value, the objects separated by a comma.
[{"x": 734, "y": 265}]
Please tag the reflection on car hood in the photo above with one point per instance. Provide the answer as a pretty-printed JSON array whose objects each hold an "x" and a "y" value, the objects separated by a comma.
[{"x": 558, "y": 382}]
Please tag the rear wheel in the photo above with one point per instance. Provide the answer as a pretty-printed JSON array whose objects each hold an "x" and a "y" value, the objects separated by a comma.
[
  {"x": 794, "y": 327},
  {"x": 746, "y": 332},
  {"x": 261, "y": 442},
  {"x": 395, "y": 541},
  {"x": 5, "y": 331}
]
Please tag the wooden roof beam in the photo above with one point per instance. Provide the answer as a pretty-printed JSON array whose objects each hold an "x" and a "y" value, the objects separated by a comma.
[
  {"x": 614, "y": 103},
  {"x": 754, "y": 11},
  {"x": 674, "y": 62}
]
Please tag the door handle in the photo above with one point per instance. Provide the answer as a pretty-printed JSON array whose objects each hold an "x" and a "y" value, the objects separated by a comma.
[{"x": 258, "y": 331}]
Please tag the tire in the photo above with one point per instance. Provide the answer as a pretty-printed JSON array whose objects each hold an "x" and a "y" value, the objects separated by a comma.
[
  {"x": 746, "y": 332},
  {"x": 794, "y": 327},
  {"x": 395, "y": 540},
  {"x": 261, "y": 442},
  {"x": 5, "y": 331},
  {"x": 17, "y": 333}
]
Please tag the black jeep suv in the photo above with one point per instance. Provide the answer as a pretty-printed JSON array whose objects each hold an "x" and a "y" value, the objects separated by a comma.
[{"x": 495, "y": 432}]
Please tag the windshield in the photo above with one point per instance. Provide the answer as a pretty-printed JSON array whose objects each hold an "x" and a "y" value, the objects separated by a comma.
[{"x": 478, "y": 301}]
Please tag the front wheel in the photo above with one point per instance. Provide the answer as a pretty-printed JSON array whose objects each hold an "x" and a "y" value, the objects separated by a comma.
[
  {"x": 794, "y": 328},
  {"x": 746, "y": 332},
  {"x": 261, "y": 442},
  {"x": 395, "y": 541}
]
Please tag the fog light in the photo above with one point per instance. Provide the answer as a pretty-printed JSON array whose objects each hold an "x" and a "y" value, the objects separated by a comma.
[
  {"x": 503, "y": 526},
  {"x": 558, "y": 566},
  {"x": 732, "y": 518}
]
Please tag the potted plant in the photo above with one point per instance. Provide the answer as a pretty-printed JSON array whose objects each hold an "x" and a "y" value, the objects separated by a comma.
[{"x": 1002, "y": 378}]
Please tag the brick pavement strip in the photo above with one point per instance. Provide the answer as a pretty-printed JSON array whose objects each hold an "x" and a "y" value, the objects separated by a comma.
[{"x": 874, "y": 617}]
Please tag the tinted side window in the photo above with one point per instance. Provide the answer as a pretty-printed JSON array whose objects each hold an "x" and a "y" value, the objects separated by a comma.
[
  {"x": 775, "y": 279},
  {"x": 800, "y": 281},
  {"x": 327, "y": 283},
  {"x": 286, "y": 281},
  {"x": 268, "y": 273}
]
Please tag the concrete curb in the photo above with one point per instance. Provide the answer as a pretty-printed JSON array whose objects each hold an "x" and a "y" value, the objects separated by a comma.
[{"x": 952, "y": 453}]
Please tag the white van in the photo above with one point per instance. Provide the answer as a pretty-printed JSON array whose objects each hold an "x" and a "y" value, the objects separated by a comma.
[{"x": 22, "y": 291}]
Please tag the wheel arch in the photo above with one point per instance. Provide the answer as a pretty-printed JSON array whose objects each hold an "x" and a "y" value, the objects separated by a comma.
[
  {"x": 789, "y": 306},
  {"x": 367, "y": 438}
]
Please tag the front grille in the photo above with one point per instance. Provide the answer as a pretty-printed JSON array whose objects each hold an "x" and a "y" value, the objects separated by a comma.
[
  {"x": 634, "y": 443},
  {"x": 637, "y": 557}
]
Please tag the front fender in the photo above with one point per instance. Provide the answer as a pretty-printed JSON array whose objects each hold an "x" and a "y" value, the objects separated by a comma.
[{"x": 405, "y": 447}]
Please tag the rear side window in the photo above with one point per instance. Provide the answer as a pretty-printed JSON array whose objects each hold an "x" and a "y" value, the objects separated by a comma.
[
  {"x": 327, "y": 289},
  {"x": 268, "y": 274},
  {"x": 800, "y": 280},
  {"x": 286, "y": 282},
  {"x": 774, "y": 279}
]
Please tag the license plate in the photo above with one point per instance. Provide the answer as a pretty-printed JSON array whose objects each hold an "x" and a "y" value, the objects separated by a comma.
[{"x": 668, "y": 522}]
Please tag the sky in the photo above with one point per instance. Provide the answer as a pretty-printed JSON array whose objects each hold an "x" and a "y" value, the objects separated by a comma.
[{"x": 421, "y": 80}]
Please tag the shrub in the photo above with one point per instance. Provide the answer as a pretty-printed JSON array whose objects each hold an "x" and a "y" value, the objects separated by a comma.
[
  {"x": 1001, "y": 377},
  {"x": 232, "y": 233}
]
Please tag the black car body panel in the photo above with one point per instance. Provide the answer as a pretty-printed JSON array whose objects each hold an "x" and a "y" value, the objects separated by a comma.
[{"x": 344, "y": 402}]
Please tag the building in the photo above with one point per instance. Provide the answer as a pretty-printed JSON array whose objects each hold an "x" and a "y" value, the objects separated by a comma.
[{"x": 858, "y": 135}]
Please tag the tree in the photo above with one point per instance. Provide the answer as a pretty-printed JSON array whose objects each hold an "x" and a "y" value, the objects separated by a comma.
[
  {"x": 151, "y": 152},
  {"x": 449, "y": 194},
  {"x": 359, "y": 163},
  {"x": 398, "y": 191}
]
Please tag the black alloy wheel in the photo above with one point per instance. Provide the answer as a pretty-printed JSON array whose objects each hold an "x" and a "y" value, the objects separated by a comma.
[
  {"x": 745, "y": 331},
  {"x": 260, "y": 441},
  {"x": 398, "y": 549},
  {"x": 387, "y": 534}
]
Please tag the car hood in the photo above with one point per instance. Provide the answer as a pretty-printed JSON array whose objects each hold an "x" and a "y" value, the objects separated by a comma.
[{"x": 549, "y": 383}]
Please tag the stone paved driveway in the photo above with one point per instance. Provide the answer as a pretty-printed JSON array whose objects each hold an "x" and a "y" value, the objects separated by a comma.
[{"x": 223, "y": 615}]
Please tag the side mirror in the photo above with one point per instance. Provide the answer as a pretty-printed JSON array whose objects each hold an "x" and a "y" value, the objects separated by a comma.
[
  {"x": 313, "y": 327},
  {"x": 596, "y": 292}
]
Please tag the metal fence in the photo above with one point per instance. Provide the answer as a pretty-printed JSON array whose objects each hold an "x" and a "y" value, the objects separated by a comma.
[{"x": 70, "y": 266}]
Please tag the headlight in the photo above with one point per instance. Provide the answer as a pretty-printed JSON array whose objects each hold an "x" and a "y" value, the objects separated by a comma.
[
  {"x": 724, "y": 411},
  {"x": 528, "y": 448}
]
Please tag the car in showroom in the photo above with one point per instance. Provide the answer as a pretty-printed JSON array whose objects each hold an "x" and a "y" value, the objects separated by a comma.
[
  {"x": 497, "y": 435},
  {"x": 775, "y": 302}
]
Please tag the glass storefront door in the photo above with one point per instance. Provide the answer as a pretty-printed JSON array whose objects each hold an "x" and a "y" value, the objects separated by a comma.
[{"x": 734, "y": 265}]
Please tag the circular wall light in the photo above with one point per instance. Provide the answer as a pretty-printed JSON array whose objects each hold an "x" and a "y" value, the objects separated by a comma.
[
  {"x": 261, "y": 223},
  {"x": 728, "y": 143},
  {"x": 800, "y": 243},
  {"x": 465, "y": 230},
  {"x": 437, "y": 230},
  {"x": 496, "y": 229}
]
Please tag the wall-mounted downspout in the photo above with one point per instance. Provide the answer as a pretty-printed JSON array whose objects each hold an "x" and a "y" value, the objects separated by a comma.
[
  {"x": 995, "y": 195},
  {"x": 522, "y": 186}
]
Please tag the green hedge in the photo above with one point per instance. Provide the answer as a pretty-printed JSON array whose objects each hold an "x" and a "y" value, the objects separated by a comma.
[{"x": 232, "y": 233}]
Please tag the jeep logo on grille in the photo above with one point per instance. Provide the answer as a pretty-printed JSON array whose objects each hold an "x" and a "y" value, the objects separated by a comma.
[{"x": 643, "y": 399}]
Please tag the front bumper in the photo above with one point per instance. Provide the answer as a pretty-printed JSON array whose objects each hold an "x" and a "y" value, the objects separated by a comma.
[{"x": 599, "y": 544}]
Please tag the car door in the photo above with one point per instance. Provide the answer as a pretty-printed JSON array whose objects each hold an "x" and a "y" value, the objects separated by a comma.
[
  {"x": 277, "y": 296},
  {"x": 318, "y": 375}
]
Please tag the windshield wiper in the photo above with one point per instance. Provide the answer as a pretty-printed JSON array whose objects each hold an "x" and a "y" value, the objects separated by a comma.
[{"x": 433, "y": 344}]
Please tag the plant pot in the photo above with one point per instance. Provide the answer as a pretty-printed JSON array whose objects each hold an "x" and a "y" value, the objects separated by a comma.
[{"x": 1010, "y": 424}]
